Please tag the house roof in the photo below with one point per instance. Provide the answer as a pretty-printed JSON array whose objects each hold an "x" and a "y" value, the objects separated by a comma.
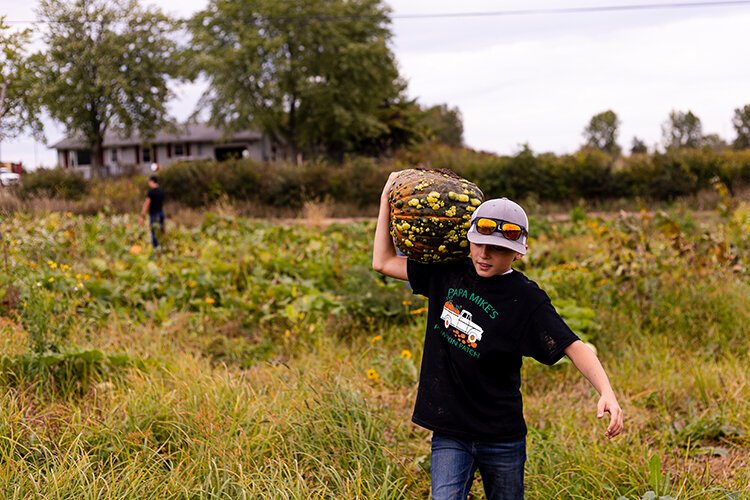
[{"x": 195, "y": 132}]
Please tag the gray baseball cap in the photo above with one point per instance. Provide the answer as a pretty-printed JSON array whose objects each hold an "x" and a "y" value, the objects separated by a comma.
[{"x": 500, "y": 209}]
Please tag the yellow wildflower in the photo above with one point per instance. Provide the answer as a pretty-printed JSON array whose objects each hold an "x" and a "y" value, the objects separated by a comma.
[
  {"x": 376, "y": 338},
  {"x": 52, "y": 264},
  {"x": 406, "y": 354},
  {"x": 51, "y": 279},
  {"x": 210, "y": 300},
  {"x": 373, "y": 375},
  {"x": 287, "y": 333}
]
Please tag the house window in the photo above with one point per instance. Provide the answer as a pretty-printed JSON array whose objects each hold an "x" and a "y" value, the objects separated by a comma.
[
  {"x": 146, "y": 155},
  {"x": 179, "y": 150},
  {"x": 113, "y": 155},
  {"x": 83, "y": 156}
]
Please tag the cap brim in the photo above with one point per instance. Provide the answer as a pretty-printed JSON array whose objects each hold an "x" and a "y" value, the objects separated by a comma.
[{"x": 497, "y": 240}]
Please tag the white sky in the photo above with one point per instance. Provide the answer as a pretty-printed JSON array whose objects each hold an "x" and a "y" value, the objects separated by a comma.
[{"x": 537, "y": 79}]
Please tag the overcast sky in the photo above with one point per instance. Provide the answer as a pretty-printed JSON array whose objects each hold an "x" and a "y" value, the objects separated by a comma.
[{"x": 537, "y": 78}]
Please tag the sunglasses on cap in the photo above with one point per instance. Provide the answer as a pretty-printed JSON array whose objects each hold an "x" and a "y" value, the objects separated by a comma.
[{"x": 510, "y": 230}]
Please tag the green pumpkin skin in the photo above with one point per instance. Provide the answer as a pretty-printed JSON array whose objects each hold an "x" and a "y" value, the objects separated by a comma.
[{"x": 430, "y": 213}]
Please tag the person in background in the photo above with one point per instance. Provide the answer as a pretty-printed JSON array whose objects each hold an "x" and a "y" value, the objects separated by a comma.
[
  {"x": 483, "y": 317},
  {"x": 154, "y": 206}
]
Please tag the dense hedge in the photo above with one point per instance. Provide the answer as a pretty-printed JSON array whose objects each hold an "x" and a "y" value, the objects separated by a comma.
[
  {"x": 591, "y": 174},
  {"x": 199, "y": 183},
  {"x": 53, "y": 183},
  {"x": 587, "y": 174}
]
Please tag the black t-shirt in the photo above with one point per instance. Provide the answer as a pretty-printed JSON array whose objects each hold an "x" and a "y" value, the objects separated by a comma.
[
  {"x": 477, "y": 331},
  {"x": 157, "y": 200}
]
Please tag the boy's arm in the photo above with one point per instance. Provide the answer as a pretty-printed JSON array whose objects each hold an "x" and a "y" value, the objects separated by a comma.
[
  {"x": 144, "y": 209},
  {"x": 588, "y": 364},
  {"x": 384, "y": 258}
]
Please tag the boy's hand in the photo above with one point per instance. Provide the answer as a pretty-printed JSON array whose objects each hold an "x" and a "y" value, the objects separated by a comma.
[
  {"x": 608, "y": 403},
  {"x": 388, "y": 183}
]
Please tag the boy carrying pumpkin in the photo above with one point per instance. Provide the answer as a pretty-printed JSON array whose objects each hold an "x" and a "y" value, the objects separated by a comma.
[{"x": 483, "y": 316}]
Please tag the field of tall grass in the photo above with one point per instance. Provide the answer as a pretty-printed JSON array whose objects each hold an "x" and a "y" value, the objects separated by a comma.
[{"x": 266, "y": 360}]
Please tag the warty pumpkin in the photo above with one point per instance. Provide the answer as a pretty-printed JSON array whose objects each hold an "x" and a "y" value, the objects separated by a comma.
[{"x": 430, "y": 213}]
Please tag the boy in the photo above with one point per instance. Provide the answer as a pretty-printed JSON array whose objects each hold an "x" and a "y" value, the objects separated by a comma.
[
  {"x": 154, "y": 206},
  {"x": 469, "y": 388}
]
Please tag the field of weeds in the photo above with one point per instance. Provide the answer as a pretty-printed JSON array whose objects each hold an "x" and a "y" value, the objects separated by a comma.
[{"x": 267, "y": 360}]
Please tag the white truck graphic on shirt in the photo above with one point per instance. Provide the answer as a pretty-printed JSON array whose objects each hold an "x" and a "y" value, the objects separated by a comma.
[{"x": 461, "y": 321}]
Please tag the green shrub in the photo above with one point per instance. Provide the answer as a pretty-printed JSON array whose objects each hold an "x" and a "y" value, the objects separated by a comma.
[
  {"x": 53, "y": 183},
  {"x": 190, "y": 182},
  {"x": 587, "y": 174}
]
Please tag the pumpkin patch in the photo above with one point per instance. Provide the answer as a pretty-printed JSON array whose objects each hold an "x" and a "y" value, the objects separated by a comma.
[{"x": 430, "y": 214}]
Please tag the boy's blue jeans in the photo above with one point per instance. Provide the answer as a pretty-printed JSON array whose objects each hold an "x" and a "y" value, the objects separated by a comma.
[
  {"x": 454, "y": 462},
  {"x": 156, "y": 220}
]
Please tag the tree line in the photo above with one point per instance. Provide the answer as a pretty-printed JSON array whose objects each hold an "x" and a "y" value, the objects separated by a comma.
[
  {"x": 681, "y": 130},
  {"x": 318, "y": 77}
]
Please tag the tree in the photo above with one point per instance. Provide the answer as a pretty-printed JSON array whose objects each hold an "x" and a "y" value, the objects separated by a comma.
[
  {"x": 682, "y": 130},
  {"x": 106, "y": 68},
  {"x": 601, "y": 132},
  {"x": 714, "y": 142},
  {"x": 18, "y": 109},
  {"x": 404, "y": 126},
  {"x": 638, "y": 146},
  {"x": 445, "y": 125},
  {"x": 741, "y": 124},
  {"x": 313, "y": 74}
]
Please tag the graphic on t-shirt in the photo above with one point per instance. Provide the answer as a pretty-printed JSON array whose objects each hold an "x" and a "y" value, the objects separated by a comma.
[{"x": 462, "y": 324}]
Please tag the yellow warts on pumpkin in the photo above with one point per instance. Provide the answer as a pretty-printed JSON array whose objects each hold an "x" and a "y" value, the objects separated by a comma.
[
  {"x": 458, "y": 197},
  {"x": 433, "y": 200}
]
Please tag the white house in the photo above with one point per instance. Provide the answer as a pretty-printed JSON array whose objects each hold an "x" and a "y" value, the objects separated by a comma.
[{"x": 186, "y": 142}]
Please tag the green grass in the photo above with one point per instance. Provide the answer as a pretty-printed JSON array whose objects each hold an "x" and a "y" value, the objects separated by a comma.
[{"x": 252, "y": 360}]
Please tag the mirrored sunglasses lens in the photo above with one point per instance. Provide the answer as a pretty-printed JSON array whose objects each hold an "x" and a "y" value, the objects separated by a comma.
[
  {"x": 486, "y": 226},
  {"x": 512, "y": 231}
]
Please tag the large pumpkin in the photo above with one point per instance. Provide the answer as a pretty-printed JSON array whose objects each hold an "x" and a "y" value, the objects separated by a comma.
[{"x": 430, "y": 213}]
